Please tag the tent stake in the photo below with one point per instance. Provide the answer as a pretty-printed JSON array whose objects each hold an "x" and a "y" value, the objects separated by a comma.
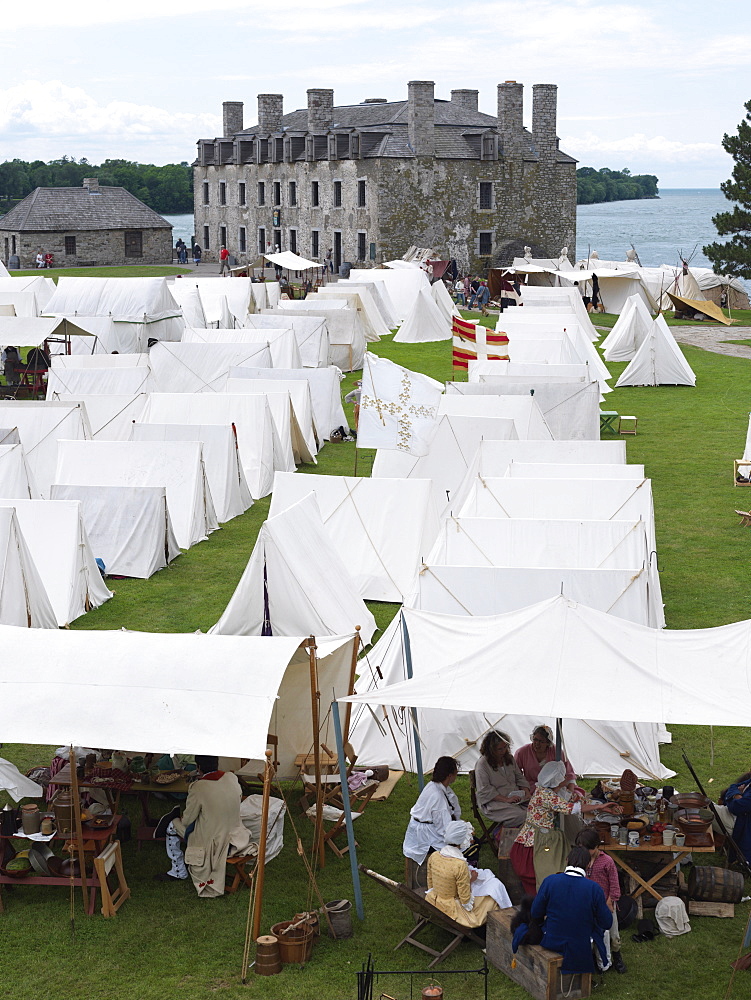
[
  {"x": 351, "y": 843},
  {"x": 261, "y": 860},
  {"x": 415, "y": 730}
]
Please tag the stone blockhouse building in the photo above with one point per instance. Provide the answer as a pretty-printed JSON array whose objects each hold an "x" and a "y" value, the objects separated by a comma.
[
  {"x": 90, "y": 225},
  {"x": 367, "y": 181}
]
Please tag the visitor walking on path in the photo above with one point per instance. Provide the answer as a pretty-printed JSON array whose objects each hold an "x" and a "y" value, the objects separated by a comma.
[{"x": 224, "y": 258}]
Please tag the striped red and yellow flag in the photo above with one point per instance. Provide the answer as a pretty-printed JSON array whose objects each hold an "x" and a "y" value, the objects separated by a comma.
[{"x": 466, "y": 343}]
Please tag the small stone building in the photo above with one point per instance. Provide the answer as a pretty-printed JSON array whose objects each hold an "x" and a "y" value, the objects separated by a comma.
[
  {"x": 369, "y": 180},
  {"x": 88, "y": 226}
]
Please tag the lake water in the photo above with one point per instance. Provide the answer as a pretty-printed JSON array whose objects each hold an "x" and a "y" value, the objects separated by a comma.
[{"x": 679, "y": 221}]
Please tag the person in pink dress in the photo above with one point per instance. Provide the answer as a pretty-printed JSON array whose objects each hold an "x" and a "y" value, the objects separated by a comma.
[{"x": 534, "y": 755}]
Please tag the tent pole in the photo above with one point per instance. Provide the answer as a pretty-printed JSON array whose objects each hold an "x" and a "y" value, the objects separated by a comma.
[
  {"x": 351, "y": 685},
  {"x": 351, "y": 842},
  {"x": 261, "y": 860},
  {"x": 558, "y": 738},
  {"x": 413, "y": 711},
  {"x": 78, "y": 829},
  {"x": 315, "y": 698}
]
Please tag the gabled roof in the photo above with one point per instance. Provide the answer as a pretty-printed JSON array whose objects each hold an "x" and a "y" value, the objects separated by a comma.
[{"x": 75, "y": 208}]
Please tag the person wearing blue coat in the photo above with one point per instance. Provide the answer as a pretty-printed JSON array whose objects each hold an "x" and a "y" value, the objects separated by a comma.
[
  {"x": 738, "y": 801},
  {"x": 575, "y": 914}
]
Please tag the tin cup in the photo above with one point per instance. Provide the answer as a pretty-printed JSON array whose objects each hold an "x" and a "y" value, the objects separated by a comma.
[
  {"x": 680, "y": 839},
  {"x": 622, "y": 836}
]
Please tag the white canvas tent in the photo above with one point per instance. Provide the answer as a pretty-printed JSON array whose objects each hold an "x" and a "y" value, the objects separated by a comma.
[
  {"x": 251, "y": 416},
  {"x": 143, "y": 307},
  {"x": 571, "y": 409},
  {"x": 176, "y": 465},
  {"x": 325, "y": 392},
  {"x": 305, "y": 434},
  {"x": 32, "y": 331},
  {"x": 451, "y": 452},
  {"x": 596, "y": 747},
  {"x": 500, "y": 371},
  {"x": 548, "y": 299},
  {"x": 110, "y": 417},
  {"x": 41, "y": 425},
  {"x": 221, "y": 458},
  {"x": 360, "y": 299},
  {"x": 187, "y": 296},
  {"x": 551, "y": 350},
  {"x": 378, "y": 292},
  {"x": 96, "y": 361},
  {"x": 402, "y": 285},
  {"x": 523, "y": 410},
  {"x": 530, "y": 328},
  {"x": 24, "y": 289},
  {"x": 172, "y": 678},
  {"x": 443, "y": 300},
  {"x": 16, "y": 478},
  {"x": 425, "y": 322},
  {"x": 128, "y": 527},
  {"x": 9, "y": 435},
  {"x": 92, "y": 381},
  {"x": 381, "y": 528},
  {"x": 346, "y": 332},
  {"x": 290, "y": 447},
  {"x": 56, "y": 538},
  {"x": 219, "y": 295},
  {"x": 659, "y": 360},
  {"x": 295, "y": 582},
  {"x": 282, "y": 343},
  {"x": 201, "y": 367},
  {"x": 23, "y": 599},
  {"x": 311, "y": 334},
  {"x": 629, "y": 332}
]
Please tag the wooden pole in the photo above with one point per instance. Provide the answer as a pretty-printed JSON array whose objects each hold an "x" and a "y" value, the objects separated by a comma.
[
  {"x": 315, "y": 698},
  {"x": 351, "y": 685},
  {"x": 75, "y": 795},
  {"x": 260, "y": 868}
]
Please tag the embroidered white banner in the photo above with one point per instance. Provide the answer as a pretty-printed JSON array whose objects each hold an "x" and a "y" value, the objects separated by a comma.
[{"x": 398, "y": 407}]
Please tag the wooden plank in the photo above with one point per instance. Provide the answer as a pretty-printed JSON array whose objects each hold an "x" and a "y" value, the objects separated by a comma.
[{"x": 696, "y": 908}]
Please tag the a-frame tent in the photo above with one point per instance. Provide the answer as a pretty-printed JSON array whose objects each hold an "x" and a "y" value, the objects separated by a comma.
[
  {"x": 659, "y": 360},
  {"x": 630, "y": 331},
  {"x": 23, "y": 600},
  {"x": 425, "y": 322}
]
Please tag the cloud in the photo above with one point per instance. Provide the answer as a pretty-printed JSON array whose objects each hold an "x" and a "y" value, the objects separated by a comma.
[
  {"x": 36, "y": 115},
  {"x": 658, "y": 146}
]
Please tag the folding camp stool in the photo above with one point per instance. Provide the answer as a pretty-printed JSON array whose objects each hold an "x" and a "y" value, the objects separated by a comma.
[
  {"x": 627, "y": 429},
  {"x": 607, "y": 420},
  {"x": 241, "y": 877},
  {"x": 111, "y": 857}
]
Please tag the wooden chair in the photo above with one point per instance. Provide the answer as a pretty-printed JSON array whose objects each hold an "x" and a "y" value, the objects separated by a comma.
[
  {"x": 111, "y": 857},
  {"x": 237, "y": 872},
  {"x": 487, "y": 831},
  {"x": 333, "y": 816},
  {"x": 426, "y": 914},
  {"x": 745, "y": 516}
]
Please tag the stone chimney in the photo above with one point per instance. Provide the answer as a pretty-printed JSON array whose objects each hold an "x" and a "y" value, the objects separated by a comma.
[
  {"x": 270, "y": 112},
  {"x": 466, "y": 99},
  {"x": 544, "y": 110},
  {"x": 421, "y": 116},
  {"x": 232, "y": 118},
  {"x": 320, "y": 109},
  {"x": 91, "y": 184},
  {"x": 511, "y": 116}
]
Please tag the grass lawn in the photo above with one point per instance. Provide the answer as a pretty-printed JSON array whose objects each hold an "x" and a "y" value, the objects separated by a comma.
[
  {"x": 165, "y": 941},
  {"x": 131, "y": 271}
]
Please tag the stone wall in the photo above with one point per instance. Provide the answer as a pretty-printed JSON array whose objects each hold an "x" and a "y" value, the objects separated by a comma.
[{"x": 95, "y": 248}]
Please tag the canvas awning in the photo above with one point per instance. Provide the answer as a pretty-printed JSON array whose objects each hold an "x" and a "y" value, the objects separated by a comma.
[
  {"x": 550, "y": 659},
  {"x": 704, "y": 306},
  {"x": 291, "y": 261}
]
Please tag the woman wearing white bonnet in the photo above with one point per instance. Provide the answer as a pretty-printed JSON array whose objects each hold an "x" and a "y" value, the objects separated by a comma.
[
  {"x": 541, "y": 849},
  {"x": 464, "y": 893}
]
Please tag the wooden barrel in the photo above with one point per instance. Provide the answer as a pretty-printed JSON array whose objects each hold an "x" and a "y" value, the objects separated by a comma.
[
  {"x": 715, "y": 885},
  {"x": 295, "y": 944},
  {"x": 268, "y": 959}
]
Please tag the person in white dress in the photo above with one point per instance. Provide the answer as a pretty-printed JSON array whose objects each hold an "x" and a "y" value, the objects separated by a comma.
[{"x": 436, "y": 807}]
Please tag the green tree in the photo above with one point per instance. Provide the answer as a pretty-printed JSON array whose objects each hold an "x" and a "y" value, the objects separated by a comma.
[{"x": 734, "y": 256}]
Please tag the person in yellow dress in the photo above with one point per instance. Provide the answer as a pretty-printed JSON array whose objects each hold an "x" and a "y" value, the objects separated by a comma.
[{"x": 464, "y": 893}]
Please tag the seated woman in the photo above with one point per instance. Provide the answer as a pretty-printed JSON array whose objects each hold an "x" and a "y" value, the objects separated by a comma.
[
  {"x": 502, "y": 789},
  {"x": 458, "y": 890},
  {"x": 540, "y": 849},
  {"x": 436, "y": 807},
  {"x": 533, "y": 755},
  {"x": 737, "y": 799}
]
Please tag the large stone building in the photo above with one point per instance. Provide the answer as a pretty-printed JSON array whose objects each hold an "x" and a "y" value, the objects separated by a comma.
[
  {"x": 90, "y": 225},
  {"x": 369, "y": 180}
]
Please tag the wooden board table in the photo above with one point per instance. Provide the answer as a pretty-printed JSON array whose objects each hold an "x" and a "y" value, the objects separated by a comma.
[{"x": 620, "y": 853}]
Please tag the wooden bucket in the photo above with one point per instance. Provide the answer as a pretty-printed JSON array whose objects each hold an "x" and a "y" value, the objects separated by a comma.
[
  {"x": 296, "y": 945},
  {"x": 268, "y": 959},
  {"x": 715, "y": 885}
]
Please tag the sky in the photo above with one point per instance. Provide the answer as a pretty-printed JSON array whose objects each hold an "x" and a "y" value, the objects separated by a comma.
[{"x": 651, "y": 86}]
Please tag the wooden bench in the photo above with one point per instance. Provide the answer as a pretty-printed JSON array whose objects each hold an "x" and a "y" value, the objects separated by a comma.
[
  {"x": 427, "y": 914},
  {"x": 534, "y": 968}
]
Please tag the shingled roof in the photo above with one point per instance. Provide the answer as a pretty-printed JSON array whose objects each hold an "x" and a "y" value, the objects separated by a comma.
[{"x": 78, "y": 208}]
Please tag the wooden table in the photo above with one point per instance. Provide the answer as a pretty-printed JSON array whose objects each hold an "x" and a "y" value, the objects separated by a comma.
[
  {"x": 620, "y": 854},
  {"x": 144, "y": 790},
  {"x": 94, "y": 841}
]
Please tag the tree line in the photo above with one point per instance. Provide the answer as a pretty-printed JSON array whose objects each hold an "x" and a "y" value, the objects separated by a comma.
[
  {"x": 595, "y": 186},
  {"x": 168, "y": 189}
]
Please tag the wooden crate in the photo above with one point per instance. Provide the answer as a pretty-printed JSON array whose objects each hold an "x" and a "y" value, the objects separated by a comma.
[
  {"x": 535, "y": 969},
  {"x": 696, "y": 908}
]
